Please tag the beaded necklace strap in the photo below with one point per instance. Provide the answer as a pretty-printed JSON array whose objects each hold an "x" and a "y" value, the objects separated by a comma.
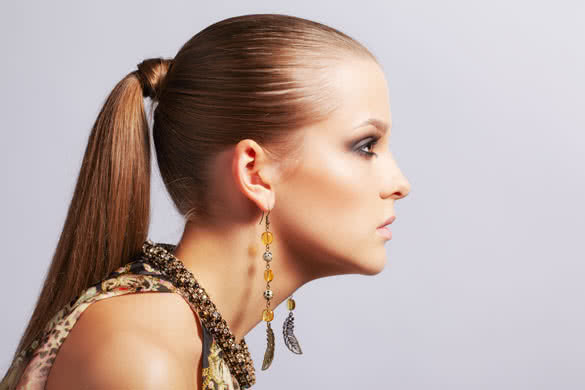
[{"x": 237, "y": 355}]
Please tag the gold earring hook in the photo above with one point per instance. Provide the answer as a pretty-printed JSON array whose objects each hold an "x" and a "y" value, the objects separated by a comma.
[{"x": 267, "y": 220}]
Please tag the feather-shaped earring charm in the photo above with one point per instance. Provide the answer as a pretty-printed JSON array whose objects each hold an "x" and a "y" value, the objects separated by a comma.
[
  {"x": 268, "y": 314},
  {"x": 269, "y": 354},
  {"x": 290, "y": 339}
]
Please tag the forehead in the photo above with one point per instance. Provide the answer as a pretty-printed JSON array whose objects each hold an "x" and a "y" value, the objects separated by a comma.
[{"x": 362, "y": 92}]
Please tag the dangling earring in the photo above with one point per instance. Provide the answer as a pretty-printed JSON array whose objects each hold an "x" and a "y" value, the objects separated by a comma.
[
  {"x": 268, "y": 314},
  {"x": 290, "y": 339}
]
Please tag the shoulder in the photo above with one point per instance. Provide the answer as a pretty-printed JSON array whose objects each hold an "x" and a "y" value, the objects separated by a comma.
[
  {"x": 139, "y": 340},
  {"x": 128, "y": 361}
]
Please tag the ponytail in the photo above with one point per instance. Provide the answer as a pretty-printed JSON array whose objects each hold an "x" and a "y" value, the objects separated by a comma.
[{"x": 108, "y": 217}]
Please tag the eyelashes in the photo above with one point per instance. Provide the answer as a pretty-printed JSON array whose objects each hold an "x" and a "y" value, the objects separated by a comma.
[{"x": 370, "y": 145}]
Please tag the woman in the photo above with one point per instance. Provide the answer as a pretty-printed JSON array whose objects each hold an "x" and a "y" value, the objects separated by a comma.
[{"x": 272, "y": 137}]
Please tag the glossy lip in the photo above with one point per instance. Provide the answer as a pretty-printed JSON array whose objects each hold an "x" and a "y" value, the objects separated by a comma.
[
  {"x": 384, "y": 232},
  {"x": 388, "y": 221}
]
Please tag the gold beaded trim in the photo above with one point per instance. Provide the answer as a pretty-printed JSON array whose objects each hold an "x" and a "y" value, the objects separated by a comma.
[{"x": 237, "y": 356}]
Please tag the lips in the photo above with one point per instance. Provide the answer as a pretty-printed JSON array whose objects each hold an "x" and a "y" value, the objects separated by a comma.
[
  {"x": 388, "y": 221},
  {"x": 384, "y": 232}
]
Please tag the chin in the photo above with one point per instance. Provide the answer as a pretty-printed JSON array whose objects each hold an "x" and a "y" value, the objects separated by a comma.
[
  {"x": 373, "y": 266},
  {"x": 373, "y": 271}
]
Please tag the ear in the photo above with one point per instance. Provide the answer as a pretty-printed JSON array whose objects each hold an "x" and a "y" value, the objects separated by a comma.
[{"x": 254, "y": 173}]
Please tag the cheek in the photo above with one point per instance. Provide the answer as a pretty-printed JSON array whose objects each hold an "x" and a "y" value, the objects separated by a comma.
[
  {"x": 330, "y": 203},
  {"x": 328, "y": 190}
]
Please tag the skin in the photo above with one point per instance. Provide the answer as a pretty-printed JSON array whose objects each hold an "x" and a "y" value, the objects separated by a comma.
[{"x": 325, "y": 205}]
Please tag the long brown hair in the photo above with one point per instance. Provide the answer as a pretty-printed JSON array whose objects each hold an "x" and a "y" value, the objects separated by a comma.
[{"x": 257, "y": 76}]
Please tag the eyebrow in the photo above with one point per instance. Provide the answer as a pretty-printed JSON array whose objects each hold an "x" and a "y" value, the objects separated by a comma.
[{"x": 378, "y": 123}]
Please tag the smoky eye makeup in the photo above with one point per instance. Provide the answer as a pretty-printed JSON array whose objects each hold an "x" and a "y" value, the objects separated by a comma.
[{"x": 366, "y": 142}]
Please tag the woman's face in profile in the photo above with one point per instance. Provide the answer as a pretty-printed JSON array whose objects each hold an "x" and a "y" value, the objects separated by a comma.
[{"x": 346, "y": 181}]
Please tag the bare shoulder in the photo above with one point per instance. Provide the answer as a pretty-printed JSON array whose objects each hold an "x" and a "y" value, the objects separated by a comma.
[
  {"x": 124, "y": 361},
  {"x": 141, "y": 340}
]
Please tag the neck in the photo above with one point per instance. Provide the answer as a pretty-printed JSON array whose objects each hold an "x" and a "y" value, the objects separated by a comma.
[{"x": 228, "y": 264}]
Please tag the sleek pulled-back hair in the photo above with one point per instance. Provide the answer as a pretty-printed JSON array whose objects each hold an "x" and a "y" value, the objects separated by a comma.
[{"x": 258, "y": 76}]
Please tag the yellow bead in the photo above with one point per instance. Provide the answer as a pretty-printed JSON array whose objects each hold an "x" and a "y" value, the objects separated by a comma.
[
  {"x": 291, "y": 304},
  {"x": 268, "y": 275},
  {"x": 267, "y": 237},
  {"x": 267, "y": 315}
]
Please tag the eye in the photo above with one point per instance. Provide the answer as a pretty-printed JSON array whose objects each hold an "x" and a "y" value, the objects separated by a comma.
[{"x": 370, "y": 145}]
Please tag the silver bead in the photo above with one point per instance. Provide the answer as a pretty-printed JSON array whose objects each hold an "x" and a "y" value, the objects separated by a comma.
[
  {"x": 268, "y": 294},
  {"x": 267, "y": 256}
]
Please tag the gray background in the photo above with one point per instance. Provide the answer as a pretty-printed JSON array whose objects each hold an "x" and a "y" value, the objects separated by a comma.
[{"x": 483, "y": 287}]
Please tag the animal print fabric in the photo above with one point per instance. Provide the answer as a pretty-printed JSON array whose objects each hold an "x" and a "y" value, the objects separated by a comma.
[{"x": 31, "y": 368}]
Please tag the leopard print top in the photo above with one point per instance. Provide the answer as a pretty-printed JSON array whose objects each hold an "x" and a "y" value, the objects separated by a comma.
[{"x": 30, "y": 369}]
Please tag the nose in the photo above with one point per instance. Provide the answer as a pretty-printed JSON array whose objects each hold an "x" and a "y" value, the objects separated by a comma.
[
  {"x": 396, "y": 186},
  {"x": 402, "y": 190}
]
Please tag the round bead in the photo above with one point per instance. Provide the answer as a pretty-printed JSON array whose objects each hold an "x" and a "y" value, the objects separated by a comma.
[
  {"x": 268, "y": 294},
  {"x": 290, "y": 304},
  {"x": 267, "y": 256},
  {"x": 267, "y": 315},
  {"x": 268, "y": 275},
  {"x": 267, "y": 237}
]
